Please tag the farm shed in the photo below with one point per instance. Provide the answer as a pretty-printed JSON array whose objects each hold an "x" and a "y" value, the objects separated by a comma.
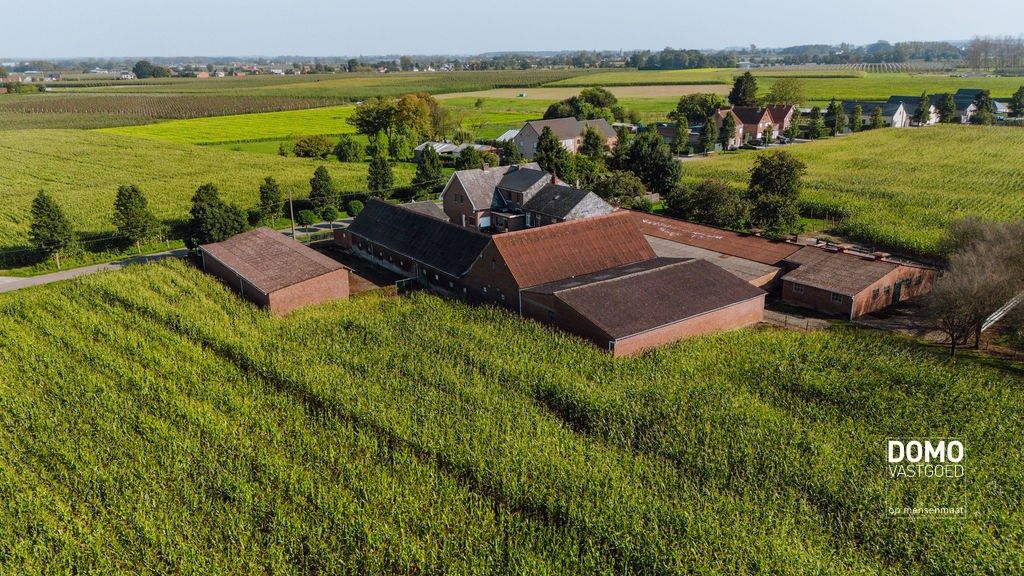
[
  {"x": 752, "y": 258},
  {"x": 630, "y": 308},
  {"x": 851, "y": 284},
  {"x": 275, "y": 271}
]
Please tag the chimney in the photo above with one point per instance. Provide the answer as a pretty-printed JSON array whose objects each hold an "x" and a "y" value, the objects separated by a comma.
[
  {"x": 554, "y": 179},
  {"x": 485, "y": 166}
]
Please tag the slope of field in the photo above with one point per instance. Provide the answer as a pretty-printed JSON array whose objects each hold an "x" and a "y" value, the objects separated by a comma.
[
  {"x": 246, "y": 127},
  {"x": 154, "y": 423},
  {"x": 901, "y": 188},
  {"x": 83, "y": 169}
]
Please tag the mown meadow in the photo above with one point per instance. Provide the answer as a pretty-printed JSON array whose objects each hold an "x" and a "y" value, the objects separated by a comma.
[
  {"x": 899, "y": 188},
  {"x": 154, "y": 423},
  {"x": 82, "y": 170}
]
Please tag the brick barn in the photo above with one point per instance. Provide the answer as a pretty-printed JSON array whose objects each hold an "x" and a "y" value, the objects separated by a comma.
[
  {"x": 851, "y": 284},
  {"x": 597, "y": 277},
  {"x": 274, "y": 271}
]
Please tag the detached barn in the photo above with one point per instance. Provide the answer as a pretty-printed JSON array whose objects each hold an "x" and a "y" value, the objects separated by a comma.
[{"x": 275, "y": 271}]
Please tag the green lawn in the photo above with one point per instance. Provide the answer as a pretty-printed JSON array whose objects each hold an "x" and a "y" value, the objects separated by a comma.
[
  {"x": 900, "y": 188},
  {"x": 83, "y": 169},
  {"x": 154, "y": 423}
]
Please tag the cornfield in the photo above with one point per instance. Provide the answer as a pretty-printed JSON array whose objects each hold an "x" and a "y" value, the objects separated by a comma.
[{"x": 155, "y": 423}]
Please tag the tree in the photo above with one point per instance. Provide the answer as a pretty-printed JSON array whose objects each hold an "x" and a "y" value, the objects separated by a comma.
[
  {"x": 816, "y": 127},
  {"x": 553, "y": 157},
  {"x": 876, "y": 118},
  {"x": 305, "y": 218},
  {"x": 509, "y": 153},
  {"x": 146, "y": 69},
  {"x": 793, "y": 130},
  {"x": 787, "y": 90},
  {"x": 348, "y": 149},
  {"x": 282, "y": 150},
  {"x": 694, "y": 108},
  {"x": 588, "y": 170},
  {"x": 744, "y": 90},
  {"x": 728, "y": 133},
  {"x": 380, "y": 179},
  {"x": 681, "y": 137},
  {"x": 330, "y": 213},
  {"x": 947, "y": 109},
  {"x": 619, "y": 186},
  {"x": 708, "y": 135},
  {"x": 375, "y": 116},
  {"x": 312, "y": 147},
  {"x": 469, "y": 159},
  {"x": 428, "y": 171},
  {"x": 50, "y": 230},
  {"x": 212, "y": 219},
  {"x": 270, "y": 199},
  {"x": 836, "y": 118},
  {"x": 593, "y": 144},
  {"x": 132, "y": 218},
  {"x": 1017, "y": 103},
  {"x": 712, "y": 202},
  {"x": 355, "y": 207},
  {"x": 650, "y": 159},
  {"x": 855, "y": 118},
  {"x": 773, "y": 191},
  {"x": 321, "y": 189},
  {"x": 923, "y": 115}
]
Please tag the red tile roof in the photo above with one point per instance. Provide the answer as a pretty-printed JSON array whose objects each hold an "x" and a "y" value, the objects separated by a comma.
[
  {"x": 558, "y": 251},
  {"x": 754, "y": 248},
  {"x": 269, "y": 260}
]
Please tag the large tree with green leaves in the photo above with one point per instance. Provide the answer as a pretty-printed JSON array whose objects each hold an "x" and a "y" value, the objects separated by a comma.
[
  {"x": 877, "y": 120},
  {"x": 711, "y": 202},
  {"x": 132, "y": 218},
  {"x": 651, "y": 160},
  {"x": 947, "y": 109},
  {"x": 1017, "y": 103},
  {"x": 708, "y": 134},
  {"x": 212, "y": 219},
  {"x": 728, "y": 133},
  {"x": 681, "y": 137},
  {"x": 593, "y": 144},
  {"x": 836, "y": 118},
  {"x": 428, "y": 171},
  {"x": 744, "y": 90},
  {"x": 856, "y": 120},
  {"x": 816, "y": 125},
  {"x": 923, "y": 114},
  {"x": 348, "y": 149},
  {"x": 321, "y": 189},
  {"x": 787, "y": 90},
  {"x": 986, "y": 112},
  {"x": 553, "y": 157},
  {"x": 379, "y": 179},
  {"x": 50, "y": 230},
  {"x": 694, "y": 108},
  {"x": 773, "y": 191},
  {"x": 469, "y": 159},
  {"x": 270, "y": 198}
]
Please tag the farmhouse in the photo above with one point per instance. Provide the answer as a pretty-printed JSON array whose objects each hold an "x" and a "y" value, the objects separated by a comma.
[
  {"x": 850, "y": 284},
  {"x": 734, "y": 140},
  {"x": 274, "y": 271},
  {"x": 595, "y": 277},
  {"x": 912, "y": 103},
  {"x": 754, "y": 121},
  {"x": 569, "y": 132},
  {"x": 783, "y": 116},
  {"x": 507, "y": 198},
  {"x": 894, "y": 114},
  {"x": 751, "y": 258}
]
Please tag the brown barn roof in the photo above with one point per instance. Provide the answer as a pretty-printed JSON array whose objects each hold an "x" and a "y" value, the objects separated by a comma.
[
  {"x": 548, "y": 253},
  {"x": 427, "y": 208},
  {"x": 838, "y": 272},
  {"x": 269, "y": 260},
  {"x": 635, "y": 298},
  {"x": 751, "y": 114},
  {"x": 443, "y": 246},
  {"x": 754, "y": 248},
  {"x": 778, "y": 112}
]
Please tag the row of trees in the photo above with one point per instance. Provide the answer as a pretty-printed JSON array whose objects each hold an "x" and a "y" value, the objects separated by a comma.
[
  {"x": 591, "y": 104},
  {"x": 769, "y": 202},
  {"x": 396, "y": 125}
]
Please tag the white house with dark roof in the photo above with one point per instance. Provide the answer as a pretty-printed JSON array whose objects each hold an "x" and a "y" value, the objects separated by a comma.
[{"x": 569, "y": 132}]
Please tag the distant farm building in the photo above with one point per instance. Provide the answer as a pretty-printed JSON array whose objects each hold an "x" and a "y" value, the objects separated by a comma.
[
  {"x": 449, "y": 150},
  {"x": 894, "y": 114},
  {"x": 274, "y": 271},
  {"x": 568, "y": 131}
]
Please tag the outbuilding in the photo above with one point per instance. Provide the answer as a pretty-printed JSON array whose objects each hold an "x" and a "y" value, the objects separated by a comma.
[{"x": 274, "y": 271}]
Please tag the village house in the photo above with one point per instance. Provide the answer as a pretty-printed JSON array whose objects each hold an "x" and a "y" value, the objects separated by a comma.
[
  {"x": 755, "y": 122},
  {"x": 911, "y": 104},
  {"x": 783, "y": 116},
  {"x": 507, "y": 198},
  {"x": 569, "y": 132},
  {"x": 894, "y": 114},
  {"x": 850, "y": 284},
  {"x": 736, "y": 139},
  {"x": 274, "y": 271},
  {"x": 596, "y": 277}
]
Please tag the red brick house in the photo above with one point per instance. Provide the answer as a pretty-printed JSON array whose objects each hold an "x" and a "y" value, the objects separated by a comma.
[
  {"x": 736, "y": 140},
  {"x": 850, "y": 285},
  {"x": 274, "y": 271},
  {"x": 782, "y": 116},
  {"x": 755, "y": 121}
]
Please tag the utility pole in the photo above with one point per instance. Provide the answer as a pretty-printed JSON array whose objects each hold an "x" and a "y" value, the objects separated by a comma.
[{"x": 291, "y": 212}]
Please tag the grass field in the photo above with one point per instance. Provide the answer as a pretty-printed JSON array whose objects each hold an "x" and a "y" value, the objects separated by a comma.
[
  {"x": 900, "y": 188},
  {"x": 83, "y": 169},
  {"x": 144, "y": 435}
]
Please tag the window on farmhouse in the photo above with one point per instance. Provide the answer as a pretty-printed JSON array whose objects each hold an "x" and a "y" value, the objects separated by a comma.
[
  {"x": 799, "y": 289},
  {"x": 875, "y": 293},
  {"x": 837, "y": 297}
]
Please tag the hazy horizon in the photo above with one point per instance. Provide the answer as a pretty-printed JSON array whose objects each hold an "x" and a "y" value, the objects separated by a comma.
[{"x": 61, "y": 29}]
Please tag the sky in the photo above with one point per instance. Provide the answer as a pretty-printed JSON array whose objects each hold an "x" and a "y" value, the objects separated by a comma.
[{"x": 116, "y": 28}]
